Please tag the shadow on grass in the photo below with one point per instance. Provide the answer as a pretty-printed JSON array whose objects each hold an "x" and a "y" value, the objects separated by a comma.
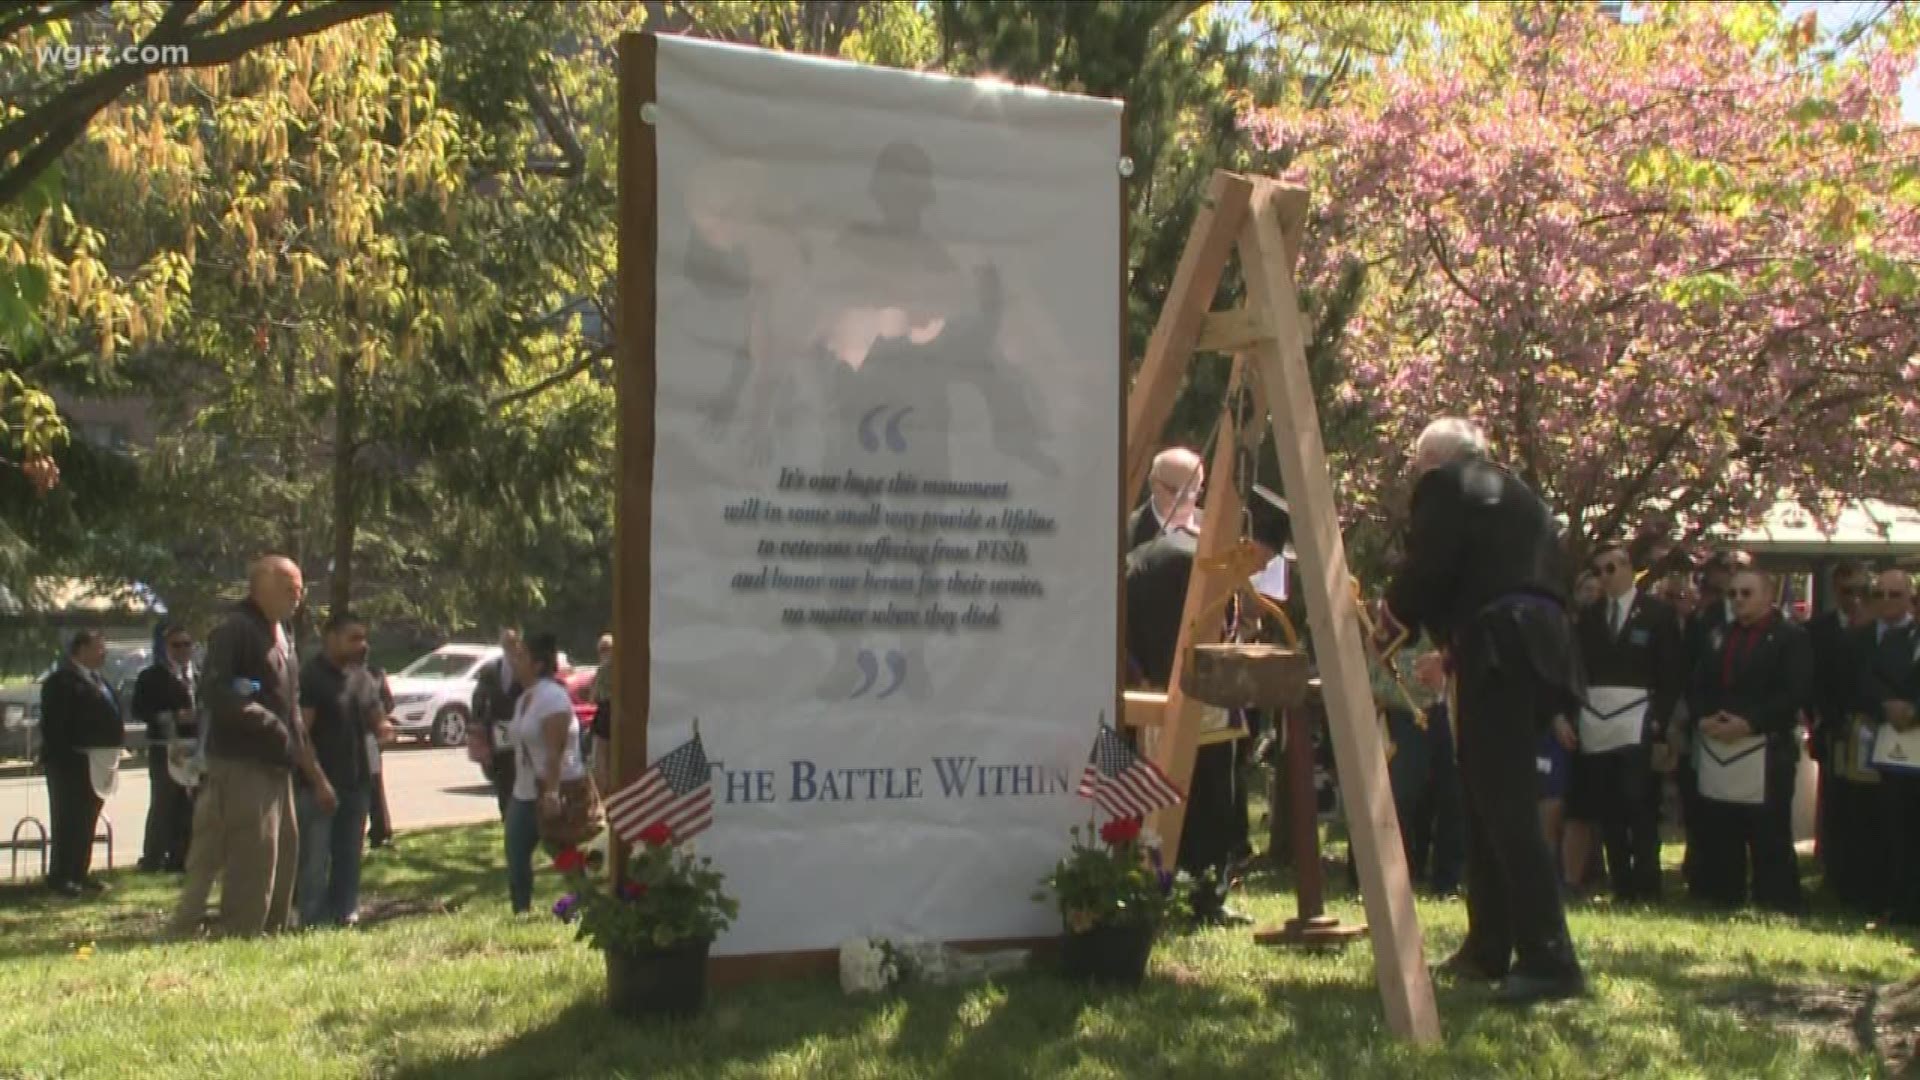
[
  {"x": 442, "y": 869},
  {"x": 1030, "y": 1024}
]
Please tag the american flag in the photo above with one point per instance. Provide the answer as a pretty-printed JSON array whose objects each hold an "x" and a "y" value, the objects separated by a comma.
[
  {"x": 1120, "y": 783},
  {"x": 677, "y": 791}
]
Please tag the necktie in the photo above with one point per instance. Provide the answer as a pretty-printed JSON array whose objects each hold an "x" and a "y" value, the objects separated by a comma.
[{"x": 1619, "y": 615}]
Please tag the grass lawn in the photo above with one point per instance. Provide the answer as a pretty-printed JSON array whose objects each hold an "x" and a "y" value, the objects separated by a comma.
[{"x": 476, "y": 993}]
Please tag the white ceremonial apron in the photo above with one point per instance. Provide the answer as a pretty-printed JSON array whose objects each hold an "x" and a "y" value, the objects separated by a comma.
[
  {"x": 103, "y": 768},
  {"x": 1612, "y": 717},
  {"x": 1856, "y": 761},
  {"x": 184, "y": 762},
  {"x": 1733, "y": 771},
  {"x": 1895, "y": 751}
]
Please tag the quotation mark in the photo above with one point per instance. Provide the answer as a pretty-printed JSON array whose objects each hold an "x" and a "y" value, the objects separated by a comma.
[
  {"x": 895, "y": 441},
  {"x": 870, "y": 673}
]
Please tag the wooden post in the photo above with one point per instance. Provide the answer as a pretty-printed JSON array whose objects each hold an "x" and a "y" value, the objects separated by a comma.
[
  {"x": 1184, "y": 312},
  {"x": 1359, "y": 751},
  {"x": 634, "y": 395},
  {"x": 1179, "y": 736}
]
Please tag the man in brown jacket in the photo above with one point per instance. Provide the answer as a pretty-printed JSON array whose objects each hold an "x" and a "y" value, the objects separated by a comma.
[{"x": 243, "y": 820}]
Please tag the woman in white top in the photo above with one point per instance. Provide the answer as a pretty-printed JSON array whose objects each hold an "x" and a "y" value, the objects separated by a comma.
[{"x": 546, "y": 740}]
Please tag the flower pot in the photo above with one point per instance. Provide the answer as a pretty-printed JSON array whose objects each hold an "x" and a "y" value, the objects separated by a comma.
[
  {"x": 1116, "y": 955},
  {"x": 669, "y": 982}
]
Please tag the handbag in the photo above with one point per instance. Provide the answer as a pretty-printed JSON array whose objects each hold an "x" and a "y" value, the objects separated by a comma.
[{"x": 574, "y": 818}]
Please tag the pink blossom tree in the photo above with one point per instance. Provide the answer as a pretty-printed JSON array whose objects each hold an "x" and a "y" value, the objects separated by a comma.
[{"x": 1669, "y": 265}]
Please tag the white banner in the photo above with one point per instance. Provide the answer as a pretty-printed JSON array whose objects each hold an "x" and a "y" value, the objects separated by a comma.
[{"x": 885, "y": 498}]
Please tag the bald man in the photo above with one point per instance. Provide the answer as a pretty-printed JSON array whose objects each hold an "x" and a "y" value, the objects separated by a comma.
[
  {"x": 1173, "y": 487},
  {"x": 243, "y": 822}
]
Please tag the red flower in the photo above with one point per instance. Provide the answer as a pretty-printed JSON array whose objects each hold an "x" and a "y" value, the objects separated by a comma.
[
  {"x": 658, "y": 834},
  {"x": 633, "y": 890},
  {"x": 570, "y": 861},
  {"x": 1120, "y": 830}
]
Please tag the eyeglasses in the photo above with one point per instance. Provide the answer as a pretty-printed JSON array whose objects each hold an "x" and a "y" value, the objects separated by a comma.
[
  {"x": 1608, "y": 568},
  {"x": 1886, "y": 594}
]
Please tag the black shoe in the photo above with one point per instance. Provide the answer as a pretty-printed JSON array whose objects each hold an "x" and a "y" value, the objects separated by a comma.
[
  {"x": 1463, "y": 966},
  {"x": 1521, "y": 989},
  {"x": 95, "y": 885},
  {"x": 150, "y": 866},
  {"x": 65, "y": 888}
]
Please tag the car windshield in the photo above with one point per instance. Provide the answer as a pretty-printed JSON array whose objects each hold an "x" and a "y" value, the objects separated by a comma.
[{"x": 441, "y": 666}]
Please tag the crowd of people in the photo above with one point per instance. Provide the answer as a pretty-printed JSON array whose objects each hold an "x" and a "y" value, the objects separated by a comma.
[
  {"x": 1545, "y": 725},
  {"x": 265, "y": 772}
]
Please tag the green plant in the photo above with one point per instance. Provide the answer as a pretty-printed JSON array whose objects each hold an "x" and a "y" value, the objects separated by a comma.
[
  {"x": 670, "y": 896},
  {"x": 1118, "y": 881}
]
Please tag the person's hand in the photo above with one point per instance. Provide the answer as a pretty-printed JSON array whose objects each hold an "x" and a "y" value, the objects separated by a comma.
[
  {"x": 1563, "y": 731},
  {"x": 1430, "y": 669},
  {"x": 1725, "y": 727},
  {"x": 549, "y": 800},
  {"x": 1899, "y": 713},
  {"x": 324, "y": 794},
  {"x": 385, "y": 734}
]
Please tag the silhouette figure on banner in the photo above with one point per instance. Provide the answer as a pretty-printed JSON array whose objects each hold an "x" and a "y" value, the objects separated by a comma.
[{"x": 883, "y": 325}]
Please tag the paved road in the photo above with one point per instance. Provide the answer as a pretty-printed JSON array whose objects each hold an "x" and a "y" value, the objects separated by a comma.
[{"x": 425, "y": 787}]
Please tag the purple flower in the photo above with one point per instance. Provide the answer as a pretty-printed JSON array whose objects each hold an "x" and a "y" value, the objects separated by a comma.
[
  {"x": 1166, "y": 881},
  {"x": 563, "y": 907}
]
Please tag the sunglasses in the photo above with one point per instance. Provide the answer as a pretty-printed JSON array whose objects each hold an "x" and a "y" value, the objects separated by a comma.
[{"x": 1608, "y": 568}]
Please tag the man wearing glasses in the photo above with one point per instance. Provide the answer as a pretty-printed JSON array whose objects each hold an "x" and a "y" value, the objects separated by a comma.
[
  {"x": 1886, "y": 700},
  {"x": 1636, "y": 670},
  {"x": 163, "y": 699},
  {"x": 1747, "y": 692},
  {"x": 1173, "y": 488}
]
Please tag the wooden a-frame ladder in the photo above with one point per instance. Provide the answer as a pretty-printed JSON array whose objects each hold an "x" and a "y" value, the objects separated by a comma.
[{"x": 1262, "y": 220}]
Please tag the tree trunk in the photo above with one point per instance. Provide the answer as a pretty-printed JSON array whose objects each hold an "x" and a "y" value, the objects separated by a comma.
[{"x": 344, "y": 523}]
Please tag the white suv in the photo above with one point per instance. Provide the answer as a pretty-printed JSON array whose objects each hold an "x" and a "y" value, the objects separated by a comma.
[{"x": 432, "y": 695}]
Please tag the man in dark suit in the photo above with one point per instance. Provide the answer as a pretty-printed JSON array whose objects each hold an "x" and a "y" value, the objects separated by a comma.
[
  {"x": 1847, "y": 863},
  {"x": 1637, "y": 669},
  {"x": 163, "y": 699},
  {"x": 1888, "y": 692},
  {"x": 1483, "y": 575},
  {"x": 1173, "y": 487},
  {"x": 1215, "y": 834},
  {"x": 78, "y": 716},
  {"x": 1753, "y": 680},
  {"x": 495, "y": 693}
]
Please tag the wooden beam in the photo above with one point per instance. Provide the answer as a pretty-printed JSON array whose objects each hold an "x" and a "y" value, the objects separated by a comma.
[
  {"x": 1179, "y": 735},
  {"x": 1233, "y": 331},
  {"x": 1144, "y": 709},
  {"x": 634, "y": 386},
  {"x": 1170, "y": 350},
  {"x": 1266, "y": 259}
]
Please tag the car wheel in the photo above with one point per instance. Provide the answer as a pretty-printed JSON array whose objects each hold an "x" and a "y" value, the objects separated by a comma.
[{"x": 450, "y": 726}]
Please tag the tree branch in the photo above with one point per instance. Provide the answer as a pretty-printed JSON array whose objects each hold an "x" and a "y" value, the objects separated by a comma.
[
  {"x": 31, "y": 15},
  {"x": 541, "y": 386},
  {"x": 51, "y": 128}
]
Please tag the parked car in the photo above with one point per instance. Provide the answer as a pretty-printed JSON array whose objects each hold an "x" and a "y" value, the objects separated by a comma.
[
  {"x": 433, "y": 696},
  {"x": 579, "y": 682}
]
